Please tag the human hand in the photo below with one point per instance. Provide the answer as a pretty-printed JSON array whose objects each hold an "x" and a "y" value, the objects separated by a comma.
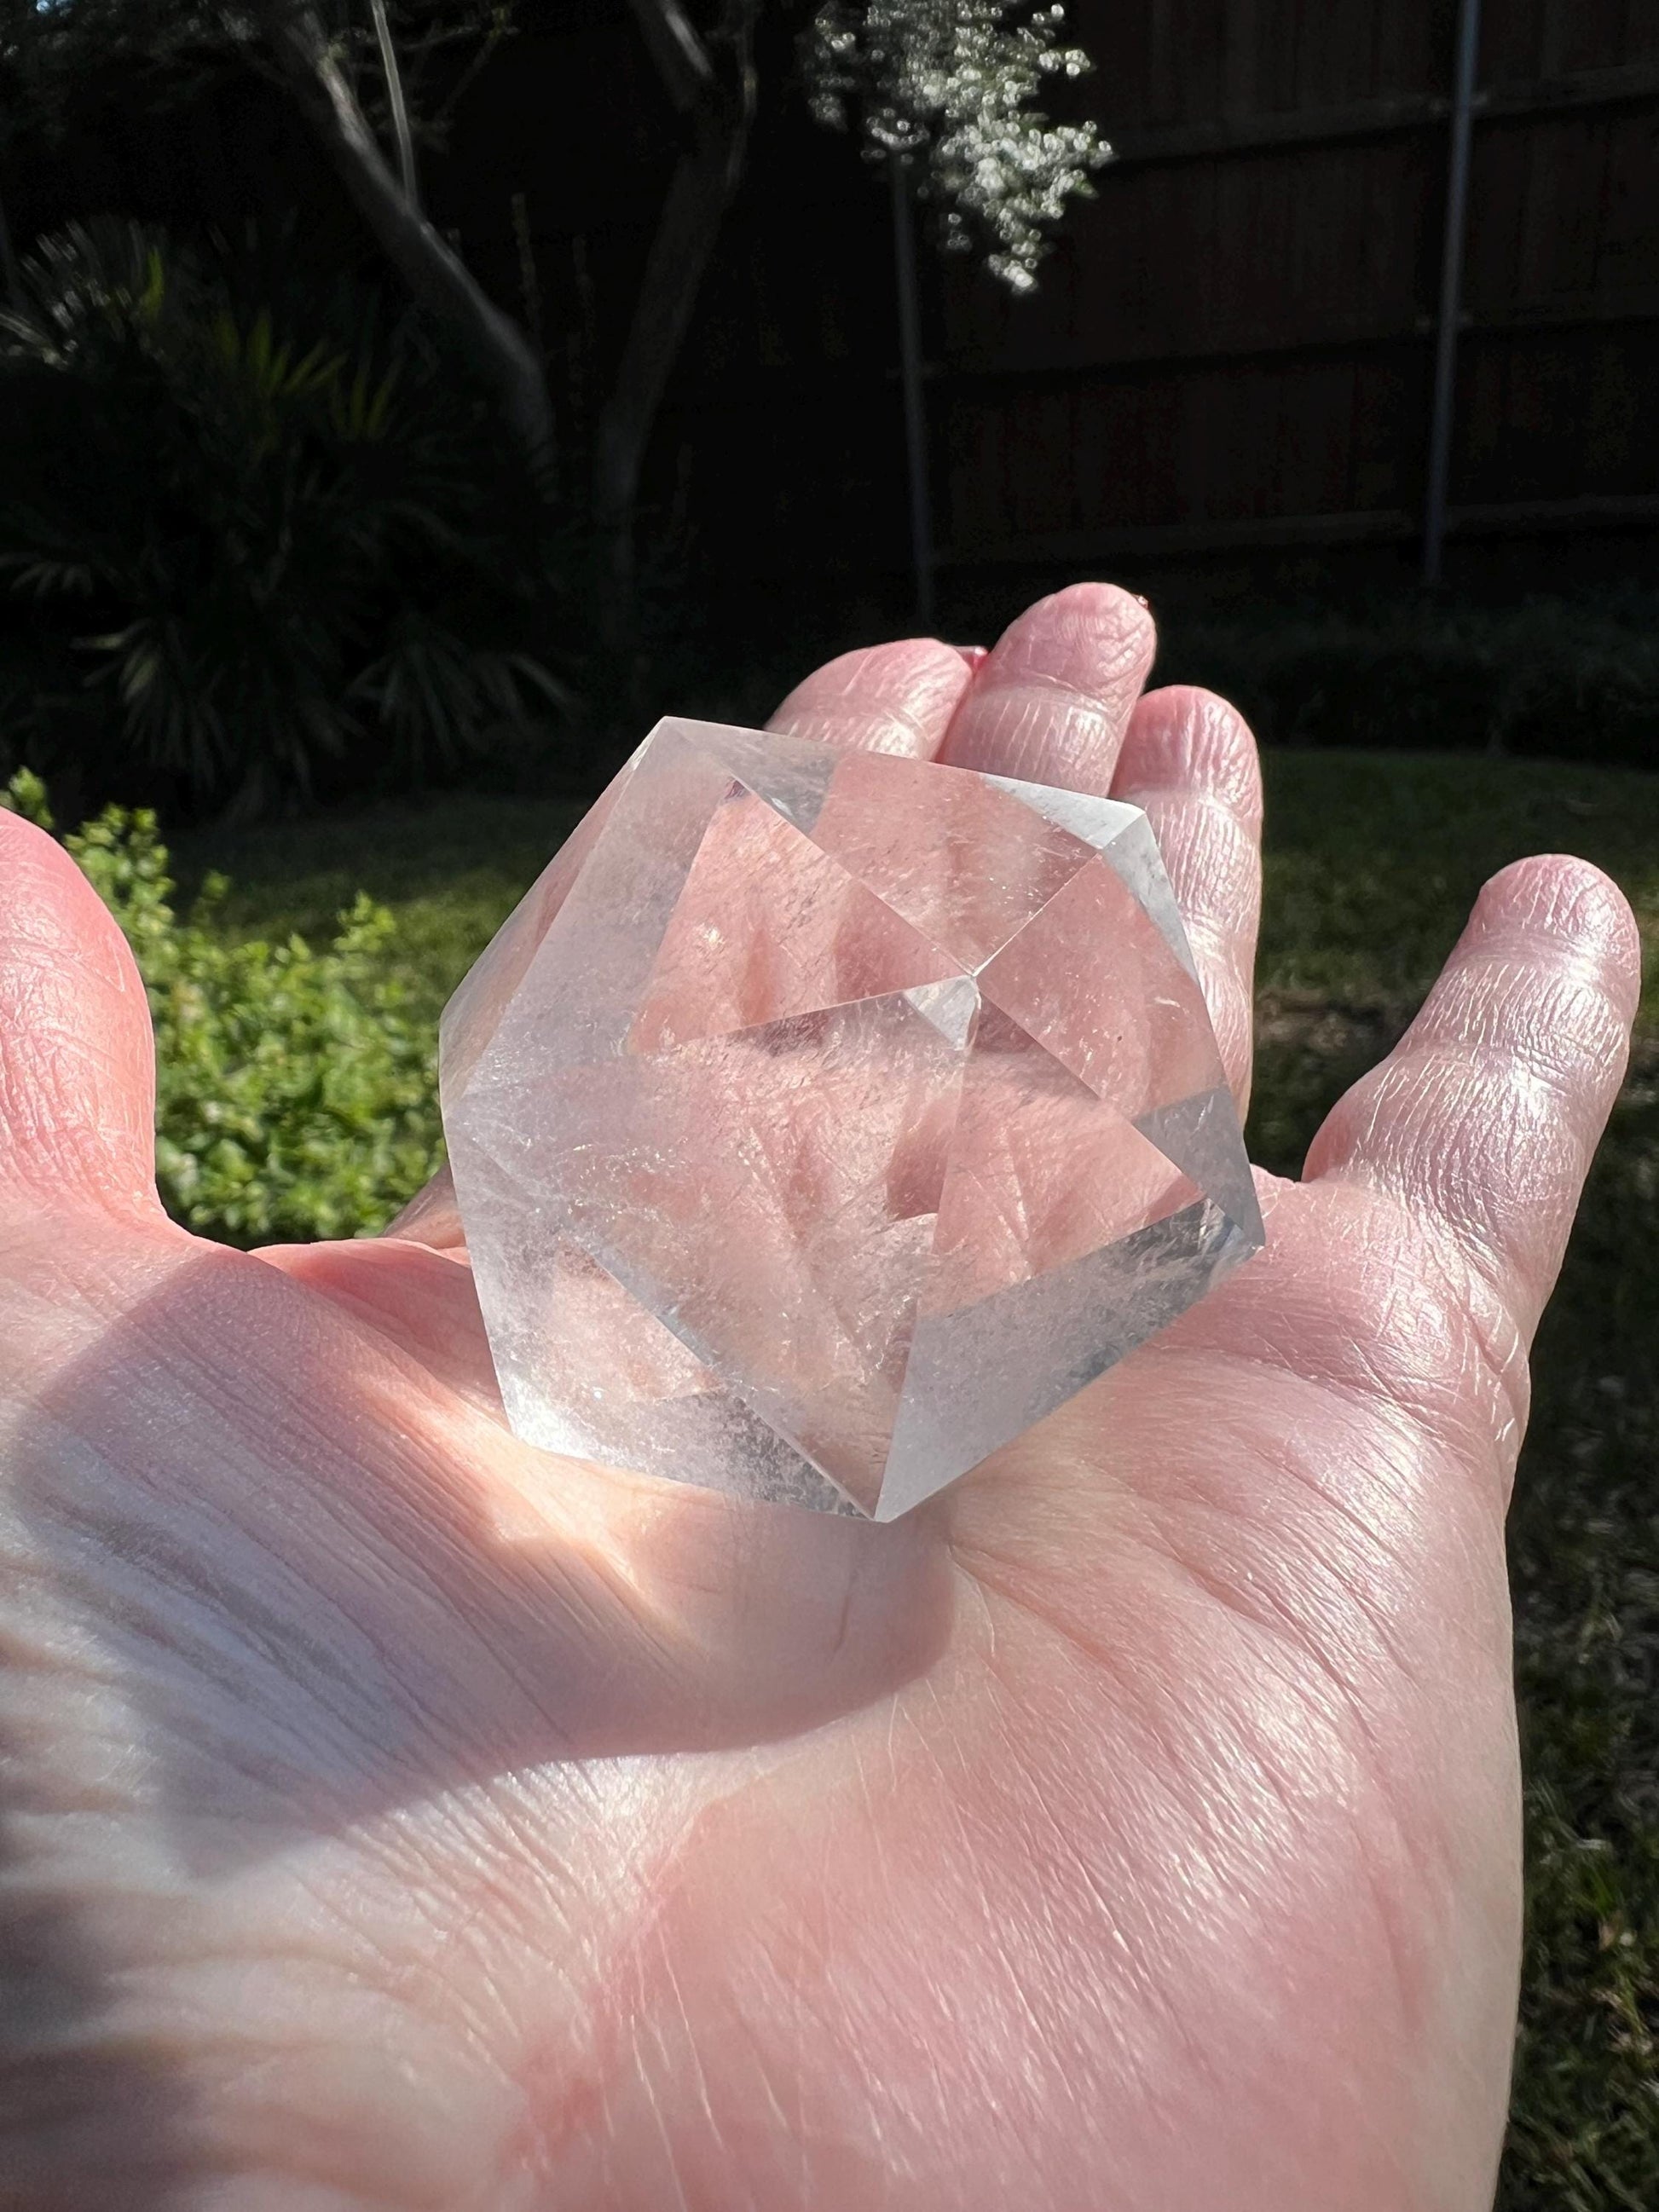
[{"x": 397, "y": 1816}]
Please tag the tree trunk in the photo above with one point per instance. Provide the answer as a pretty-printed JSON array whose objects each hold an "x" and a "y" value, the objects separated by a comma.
[
  {"x": 490, "y": 341},
  {"x": 712, "y": 84}
]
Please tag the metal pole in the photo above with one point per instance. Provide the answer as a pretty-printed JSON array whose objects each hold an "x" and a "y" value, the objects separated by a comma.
[
  {"x": 1452, "y": 287},
  {"x": 915, "y": 419}
]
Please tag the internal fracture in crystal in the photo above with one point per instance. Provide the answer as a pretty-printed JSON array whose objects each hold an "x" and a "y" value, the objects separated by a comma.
[{"x": 821, "y": 1119}]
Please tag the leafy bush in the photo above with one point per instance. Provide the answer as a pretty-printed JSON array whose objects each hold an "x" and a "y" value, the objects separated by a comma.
[
  {"x": 258, "y": 546},
  {"x": 296, "y": 1095}
]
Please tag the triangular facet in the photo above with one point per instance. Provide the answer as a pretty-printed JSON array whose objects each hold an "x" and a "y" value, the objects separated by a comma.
[
  {"x": 1041, "y": 1172},
  {"x": 978, "y": 1378},
  {"x": 1096, "y": 822},
  {"x": 1096, "y": 982},
  {"x": 1134, "y": 856},
  {"x": 952, "y": 1006},
  {"x": 767, "y": 926},
  {"x": 963, "y": 860},
  {"x": 1201, "y": 1134},
  {"x": 477, "y": 1007},
  {"x": 792, "y": 775},
  {"x": 575, "y": 1001},
  {"x": 613, "y": 1383}
]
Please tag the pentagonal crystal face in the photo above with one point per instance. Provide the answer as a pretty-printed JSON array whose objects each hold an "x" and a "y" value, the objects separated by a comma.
[{"x": 821, "y": 1119}]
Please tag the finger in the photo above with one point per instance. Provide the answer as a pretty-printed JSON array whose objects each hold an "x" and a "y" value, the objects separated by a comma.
[
  {"x": 1485, "y": 1115},
  {"x": 77, "y": 1078},
  {"x": 894, "y": 698},
  {"x": 1189, "y": 760},
  {"x": 1053, "y": 697}
]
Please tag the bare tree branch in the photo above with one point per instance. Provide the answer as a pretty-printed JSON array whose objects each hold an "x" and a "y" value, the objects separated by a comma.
[
  {"x": 394, "y": 93},
  {"x": 482, "y": 53},
  {"x": 439, "y": 280},
  {"x": 680, "y": 59}
]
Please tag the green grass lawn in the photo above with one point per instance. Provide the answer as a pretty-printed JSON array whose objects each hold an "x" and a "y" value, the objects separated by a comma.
[{"x": 1372, "y": 861}]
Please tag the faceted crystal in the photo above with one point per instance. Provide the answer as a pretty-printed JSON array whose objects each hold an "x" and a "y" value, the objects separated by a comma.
[{"x": 821, "y": 1119}]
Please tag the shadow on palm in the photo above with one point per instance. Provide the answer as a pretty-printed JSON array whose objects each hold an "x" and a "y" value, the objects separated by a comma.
[{"x": 331, "y": 1586}]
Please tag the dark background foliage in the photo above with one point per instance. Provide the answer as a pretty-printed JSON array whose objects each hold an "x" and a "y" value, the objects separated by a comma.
[
  {"x": 263, "y": 542},
  {"x": 1219, "y": 394}
]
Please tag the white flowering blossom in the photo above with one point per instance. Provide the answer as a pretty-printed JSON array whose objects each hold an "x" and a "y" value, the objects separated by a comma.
[{"x": 951, "y": 85}]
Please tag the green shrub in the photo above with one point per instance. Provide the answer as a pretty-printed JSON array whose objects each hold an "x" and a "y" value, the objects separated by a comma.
[
  {"x": 296, "y": 1095},
  {"x": 250, "y": 547}
]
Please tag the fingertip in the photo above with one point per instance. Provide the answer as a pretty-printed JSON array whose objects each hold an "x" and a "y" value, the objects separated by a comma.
[
  {"x": 1051, "y": 700},
  {"x": 1486, "y": 1116},
  {"x": 1096, "y": 639},
  {"x": 35, "y": 870},
  {"x": 1183, "y": 738},
  {"x": 1102, "y": 625},
  {"x": 52, "y": 923},
  {"x": 1558, "y": 901},
  {"x": 894, "y": 698}
]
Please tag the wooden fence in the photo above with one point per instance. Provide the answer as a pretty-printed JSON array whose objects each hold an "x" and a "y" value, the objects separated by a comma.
[
  {"x": 1235, "y": 341},
  {"x": 1232, "y": 344}
]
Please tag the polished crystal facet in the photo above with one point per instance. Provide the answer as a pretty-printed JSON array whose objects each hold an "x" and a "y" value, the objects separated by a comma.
[{"x": 821, "y": 1119}]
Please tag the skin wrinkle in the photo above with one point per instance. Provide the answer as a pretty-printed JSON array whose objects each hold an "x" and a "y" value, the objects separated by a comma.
[
  {"x": 1202, "y": 1908},
  {"x": 892, "y": 699},
  {"x": 1148, "y": 1983},
  {"x": 1264, "y": 1610},
  {"x": 1278, "y": 1646},
  {"x": 160, "y": 1628},
  {"x": 1403, "y": 1180},
  {"x": 1187, "y": 743},
  {"x": 1253, "y": 1608},
  {"x": 1372, "y": 1388},
  {"x": 1445, "y": 1292},
  {"x": 1507, "y": 1012},
  {"x": 1466, "y": 1126}
]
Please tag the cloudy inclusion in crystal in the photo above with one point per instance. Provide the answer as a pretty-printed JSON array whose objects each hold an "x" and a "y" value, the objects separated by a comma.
[{"x": 821, "y": 1119}]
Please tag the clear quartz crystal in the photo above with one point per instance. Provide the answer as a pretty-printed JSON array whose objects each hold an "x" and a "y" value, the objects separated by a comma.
[{"x": 821, "y": 1119}]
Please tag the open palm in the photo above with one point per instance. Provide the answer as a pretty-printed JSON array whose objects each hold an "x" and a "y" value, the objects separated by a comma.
[{"x": 396, "y": 1816}]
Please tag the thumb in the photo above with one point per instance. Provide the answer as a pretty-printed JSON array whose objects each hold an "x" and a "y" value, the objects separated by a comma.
[{"x": 77, "y": 1066}]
